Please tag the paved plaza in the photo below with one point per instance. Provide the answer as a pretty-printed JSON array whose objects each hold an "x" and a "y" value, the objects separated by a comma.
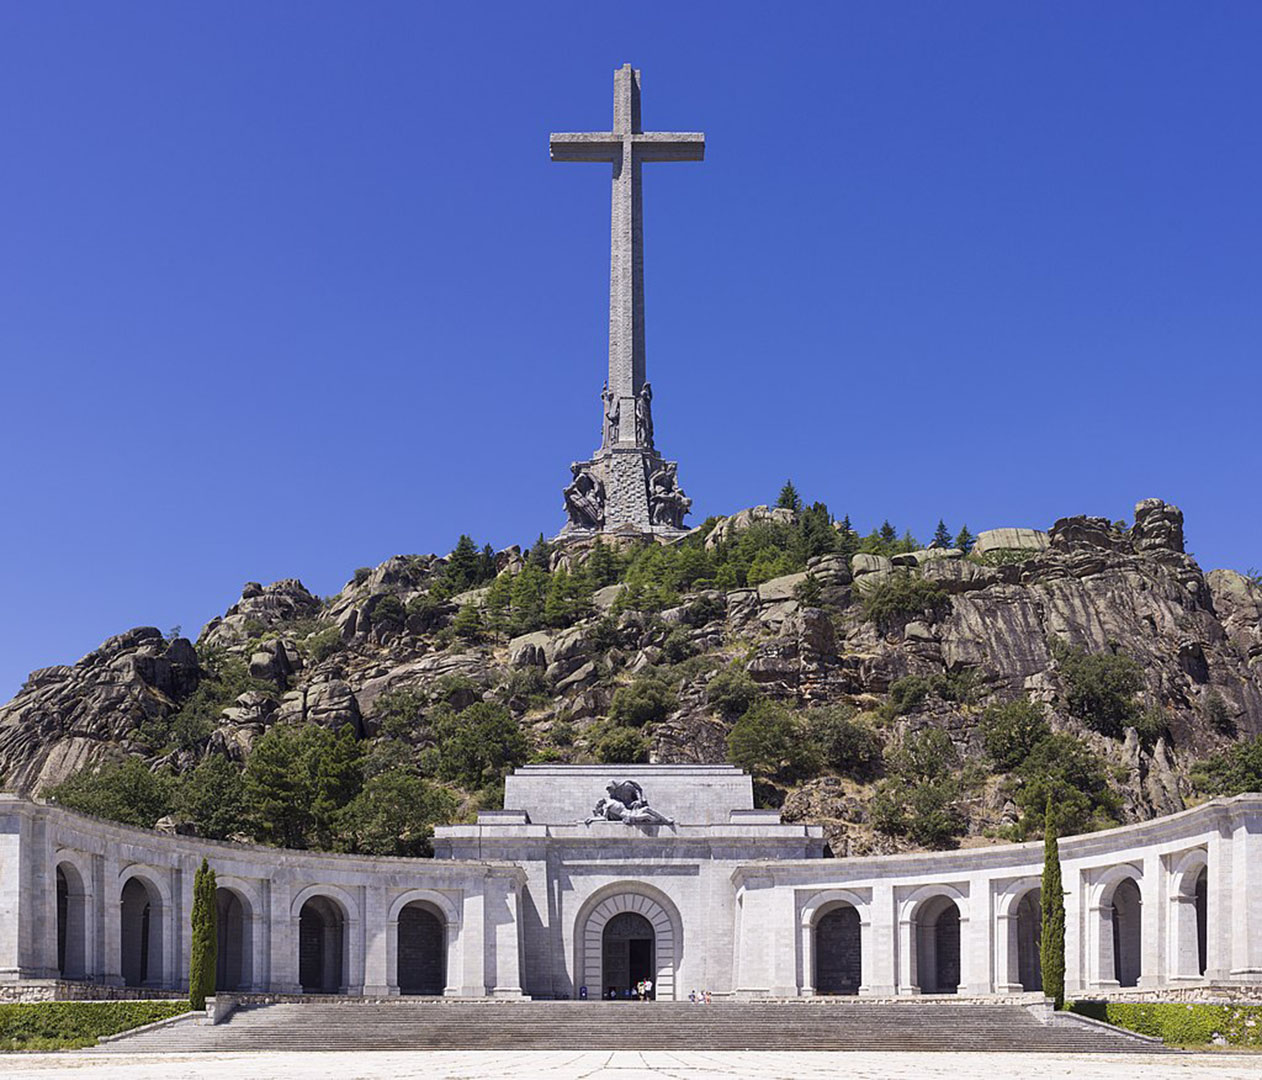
[{"x": 630, "y": 1064}]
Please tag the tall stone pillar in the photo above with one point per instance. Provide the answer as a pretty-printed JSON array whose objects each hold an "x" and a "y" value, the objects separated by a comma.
[
  {"x": 1246, "y": 900},
  {"x": 881, "y": 947}
]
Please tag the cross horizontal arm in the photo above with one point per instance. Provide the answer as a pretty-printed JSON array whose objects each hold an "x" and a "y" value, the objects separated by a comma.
[
  {"x": 670, "y": 146},
  {"x": 585, "y": 146}
]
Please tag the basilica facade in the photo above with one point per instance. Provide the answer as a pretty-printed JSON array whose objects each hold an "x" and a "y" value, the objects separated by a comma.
[{"x": 591, "y": 881}]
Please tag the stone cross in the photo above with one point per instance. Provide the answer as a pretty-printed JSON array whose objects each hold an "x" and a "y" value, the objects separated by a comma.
[{"x": 627, "y": 147}]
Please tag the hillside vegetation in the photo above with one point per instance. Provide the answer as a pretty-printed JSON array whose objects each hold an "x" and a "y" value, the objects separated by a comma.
[{"x": 901, "y": 696}]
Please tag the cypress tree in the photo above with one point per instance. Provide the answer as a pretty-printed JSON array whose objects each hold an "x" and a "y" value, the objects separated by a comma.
[
  {"x": 1052, "y": 945},
  {"x": 205, "y": 952}
]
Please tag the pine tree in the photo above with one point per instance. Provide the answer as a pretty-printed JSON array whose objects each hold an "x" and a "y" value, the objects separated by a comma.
[
  {"x": 205, "y": 950},
  {"x": 887, "y": 533},
  {"x": 965, "y": 540},
  {"x": 468, "y": 623},
  {"x": 601, "y": 568},
  {"x": 941, "y": 535},
  {"x": 486, "y": 564},
  {"x": 463, "y": 564},
  {"x": 789, "y": 497},
  {"x": 338, "y": 774},
  {"x": 527, "y": 599},
  {"x": 1052, "y": 945}
]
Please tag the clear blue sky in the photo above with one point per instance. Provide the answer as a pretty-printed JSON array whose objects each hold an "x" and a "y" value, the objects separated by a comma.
[{"x": 287, "y": 288}]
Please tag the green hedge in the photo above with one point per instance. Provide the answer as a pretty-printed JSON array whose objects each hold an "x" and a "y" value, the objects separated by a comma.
[
  {"x": 68, "y": 1025},
  {"x": 1180, "y": 1024}
]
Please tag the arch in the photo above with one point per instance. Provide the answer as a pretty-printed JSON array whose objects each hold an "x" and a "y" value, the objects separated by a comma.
[
  {"x": 935, "y": 941},
  {"x": 234, "y": 965},
  {"x": 322, "y": 942},
  {"x": 421, "y": 949},
  {"x": 1100, "y": 926},
  {"x": 1018, "y": 933},
  {"x": 1189, "y": 922},
  {"x": 142, "y": 916},
  {"x": 350, "y": 909},
  {"x": 815, "y": 908},
  {"x": 838, "y": 952},
  {"x": 444, "y": 904},
  {"x": 74, "y": 922},
  {"x": 1027, "y": 924},
  {"x": 640, "y": 899},
  {"x": 628, "y": 954},
  {"x": 1127, "y": 927}
]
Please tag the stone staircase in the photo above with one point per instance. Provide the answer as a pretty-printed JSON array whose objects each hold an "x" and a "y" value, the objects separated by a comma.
[{"x": 573, "y": 1025}]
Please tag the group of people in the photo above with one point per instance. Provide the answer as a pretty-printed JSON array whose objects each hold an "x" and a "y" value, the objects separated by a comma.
[
  {"x": 699, "y": 997},
  {"x": 643, "y": 991}
]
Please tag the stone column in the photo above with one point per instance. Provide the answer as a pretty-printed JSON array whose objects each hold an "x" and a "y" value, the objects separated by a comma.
[
  {"x": 472, "y": 979},
  {"x": 1005, "y": 933},
  {"x": 381, "y": 941},
  {"x": 881, "y": 945},
  {"x": 1246, "y": 900},
  {"x": 908, "y": 980},
  {"x": 111, "y": 904},
  {"x": 754, "y": 966},
  {"x": 1154, "y": 912},
  {"x": 1219, "y": 916},
  {"x": 503, "y": 935},
  {"x": 283, "y": 941}
]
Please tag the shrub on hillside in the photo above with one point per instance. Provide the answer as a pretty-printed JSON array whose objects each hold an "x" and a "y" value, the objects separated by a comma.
[
  {"x": 919, "y": 800},
  {"x": 766, "y": 742},
  {"x": 1234, "y": 771},
  {"x": 478, "y": 745},
  {"x": 902, "y": 597},
  {"x": 1067, "y": 771},
  {"x": 731, "y": 692},
  {"x": 1100, "y": 688},
  {"x": 126, "y": 791},
  {"x": 324, "y": 644},
  {"x": 648, "y": 700},
  {"x": 621, "y": 746},
  {"x": 842, "y": 743},
  {"x": 1011, "y": 730}
]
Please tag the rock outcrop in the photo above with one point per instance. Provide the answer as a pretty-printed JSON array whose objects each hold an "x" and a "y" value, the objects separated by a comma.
[{"x": 801, "y": 638}]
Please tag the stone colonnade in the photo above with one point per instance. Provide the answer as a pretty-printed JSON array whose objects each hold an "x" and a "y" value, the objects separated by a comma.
[{"x": 1171, "y": 903}]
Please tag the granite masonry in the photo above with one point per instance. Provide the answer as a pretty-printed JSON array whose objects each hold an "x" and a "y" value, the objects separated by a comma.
[
  {"x": 626, "y": 486},
  {"x": 596, "y": 877}
]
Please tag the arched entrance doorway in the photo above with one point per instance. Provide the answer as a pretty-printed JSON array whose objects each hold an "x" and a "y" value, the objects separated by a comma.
[
  {"x": 627, "y": 954},
  {"x": 141, "y": 934},
  {"x": 422, "y": 952},
  {"x": 666, "y": 940},
  {"x": 938, "y": 946},
  {"x": 233, "y": 964},
  {"x": 1029, "y": 939},
  {"x": 1127, "y": 933},
  {"x": 321, "y": 941},
  {"x": 838, "y": 951},
  {"x": 72, "y": 923}
]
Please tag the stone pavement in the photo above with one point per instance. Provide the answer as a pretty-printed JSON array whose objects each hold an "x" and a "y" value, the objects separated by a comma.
[{"x": 631, "y": 1065}]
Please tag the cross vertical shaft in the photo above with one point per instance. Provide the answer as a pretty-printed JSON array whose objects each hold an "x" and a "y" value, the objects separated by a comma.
[{"x": 626, "y": 484}]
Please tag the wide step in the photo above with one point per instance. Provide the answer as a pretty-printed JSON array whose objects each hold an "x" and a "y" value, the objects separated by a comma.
[{"x": 632, "y": 1026}]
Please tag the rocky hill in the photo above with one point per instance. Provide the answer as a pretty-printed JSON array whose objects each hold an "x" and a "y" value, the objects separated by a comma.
[{"x": 824, "y": 677}]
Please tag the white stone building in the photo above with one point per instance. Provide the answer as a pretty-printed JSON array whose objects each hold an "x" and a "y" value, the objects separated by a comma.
[{"x": 532, "y": 900}]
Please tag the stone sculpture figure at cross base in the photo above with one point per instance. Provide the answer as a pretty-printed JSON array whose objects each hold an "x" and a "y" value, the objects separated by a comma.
[{"x": 637, "y": 490}]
